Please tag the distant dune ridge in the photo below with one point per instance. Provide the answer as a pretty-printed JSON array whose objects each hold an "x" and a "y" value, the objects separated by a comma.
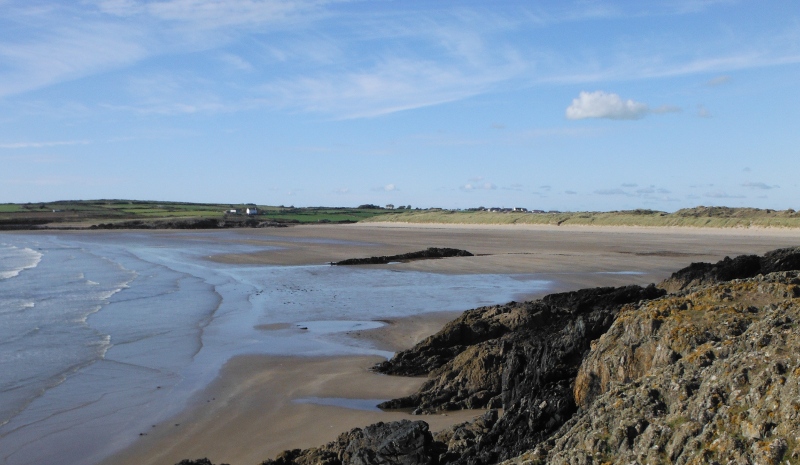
[
  {"x": 705, "y": 217},
  {"x": 703, "y": 367}
]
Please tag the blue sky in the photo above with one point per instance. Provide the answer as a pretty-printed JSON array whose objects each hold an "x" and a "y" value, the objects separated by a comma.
[{"x": 587, "y": 105}]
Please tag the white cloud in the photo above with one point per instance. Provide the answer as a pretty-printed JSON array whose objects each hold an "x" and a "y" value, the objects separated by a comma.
[
  {"x": 390, "y": 187},
  {"x": 612, "y": 192},
  {"x": 600, "y": 104},
  {"x": 760, "y": 185},
  {"x": 723, "y": 195},
  {"x": 650, "y": 192},
  {"x": 342, "y": 190},
  {"x": 478, "y": 186}
]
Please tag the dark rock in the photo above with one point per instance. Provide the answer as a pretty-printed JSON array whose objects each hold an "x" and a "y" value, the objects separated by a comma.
[
  {"x": 522, "y": 356},
  {"x": 398, "y": 443},
  {"x": 741, "y": 267},
  {"x": 203, "y": 461},
  {"x": 429, "y": 253}
]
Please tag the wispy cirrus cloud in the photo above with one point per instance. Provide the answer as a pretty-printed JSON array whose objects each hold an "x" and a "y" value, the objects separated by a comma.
[
  {"x": 39, "y": 145},
  {"x": 213, "y": 14},
  {"x": 299, "y": 58},
  {"x": 395, "y": 84},
  {"x": 65, "y": 53}
]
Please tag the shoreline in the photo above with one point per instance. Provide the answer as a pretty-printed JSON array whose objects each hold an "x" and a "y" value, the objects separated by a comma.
[
  {"x": 246, "y": 414},
  {"x": 260, "y": 405}
]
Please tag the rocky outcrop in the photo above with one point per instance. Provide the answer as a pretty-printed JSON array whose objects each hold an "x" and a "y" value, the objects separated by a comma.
[
  {"x": 398, "y": 443},
  {"x": 522, "y": 357},
  {"x": 429, "y": 253},
  {"x": 711, "y": 376},
  {"x": 471, "y": 328},
  {"x": 709, "y": 373},
  {"x": 744, "y": 266}
]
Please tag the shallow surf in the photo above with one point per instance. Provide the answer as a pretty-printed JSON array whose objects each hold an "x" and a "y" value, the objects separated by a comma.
[{"x": 102, "y": 335}]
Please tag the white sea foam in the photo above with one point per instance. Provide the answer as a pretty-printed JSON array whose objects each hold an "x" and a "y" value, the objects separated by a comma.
[{"x": 13, "y": 260}]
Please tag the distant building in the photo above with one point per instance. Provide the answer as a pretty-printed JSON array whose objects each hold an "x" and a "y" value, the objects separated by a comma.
[
  {"x": 389, "y": 206},
  {"x": 520, "y": 209},
  {"x": 234, "y": 211},
  {"x": 252, "y": 211}
]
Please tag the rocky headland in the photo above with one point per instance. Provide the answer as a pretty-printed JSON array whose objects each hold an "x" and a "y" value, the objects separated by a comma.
[{"x": 702, "y": 368}]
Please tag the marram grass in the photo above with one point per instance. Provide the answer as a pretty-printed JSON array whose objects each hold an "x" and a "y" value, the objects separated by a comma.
[{"x": 700, "y": 217}]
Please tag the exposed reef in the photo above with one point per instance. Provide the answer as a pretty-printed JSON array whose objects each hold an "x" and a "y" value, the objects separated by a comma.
[
  {"x": 427, "y": 254},
  {"x": 701, "y": 368}
]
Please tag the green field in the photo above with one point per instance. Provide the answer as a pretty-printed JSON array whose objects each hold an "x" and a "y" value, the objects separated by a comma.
[
  {"x": 9, "y": 208},
  {"x": 87, "y": 213},
  {"x": 157, "y": 214}
]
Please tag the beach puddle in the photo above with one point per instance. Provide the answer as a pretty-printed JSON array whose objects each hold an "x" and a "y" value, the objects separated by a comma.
[
  {"x": 337, "y": 326},
  {"x": 370, "y": 405}
]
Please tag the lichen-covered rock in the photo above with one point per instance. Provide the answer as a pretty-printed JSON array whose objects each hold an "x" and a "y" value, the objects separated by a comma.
[{"x": 708, "y": 376}]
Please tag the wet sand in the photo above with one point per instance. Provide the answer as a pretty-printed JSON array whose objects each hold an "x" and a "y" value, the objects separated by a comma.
[{"x": 249, "y": 413}]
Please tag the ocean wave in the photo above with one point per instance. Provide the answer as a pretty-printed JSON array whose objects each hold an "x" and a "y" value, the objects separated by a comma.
[{"x": 14, "y": 260}]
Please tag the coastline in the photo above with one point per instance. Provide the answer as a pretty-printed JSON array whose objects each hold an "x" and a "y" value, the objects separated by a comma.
[
  {"x": 252, "y": 416},
  {"x": 252, "y": 395}
]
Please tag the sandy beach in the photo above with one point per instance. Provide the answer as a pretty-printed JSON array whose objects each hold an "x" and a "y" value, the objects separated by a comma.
[{"x": 251, "y": 412}]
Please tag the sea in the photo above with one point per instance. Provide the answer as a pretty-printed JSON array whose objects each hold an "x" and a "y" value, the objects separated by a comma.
[{"x": 103, "y": 334}]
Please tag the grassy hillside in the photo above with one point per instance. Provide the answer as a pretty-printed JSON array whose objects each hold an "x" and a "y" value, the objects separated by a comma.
[{"x": 87, "y": 213}]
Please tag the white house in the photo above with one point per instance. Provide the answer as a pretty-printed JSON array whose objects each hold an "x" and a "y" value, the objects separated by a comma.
[{"x": 252, "y": 211}]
